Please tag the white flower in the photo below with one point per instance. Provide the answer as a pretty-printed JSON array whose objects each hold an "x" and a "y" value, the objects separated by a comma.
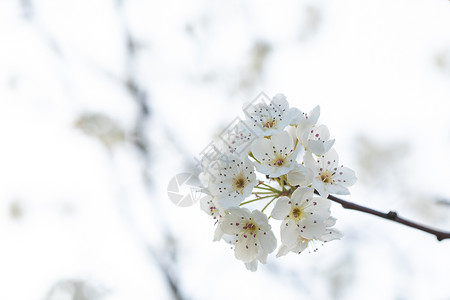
[
  {"x": 300, "y": 175},
  {"x": 330, "y": 233},
  {"x": 231, "y": 180},
  {"x": 254, "y": 238},
  {"x": 302, "y": 215},
  {"x": 275, "y": 156},
  {"x": 315, "y": 139},
  {"x": 267, "y": 119},
  {"x": 329, "y": 177},
  {"x": 210, "y": 206},
  {"x": 305, "y": 120},
  {"x": 302, "y": 243}
]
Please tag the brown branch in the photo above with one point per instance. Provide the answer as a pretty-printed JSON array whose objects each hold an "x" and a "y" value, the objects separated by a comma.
[{"x": 392, "y": 215}]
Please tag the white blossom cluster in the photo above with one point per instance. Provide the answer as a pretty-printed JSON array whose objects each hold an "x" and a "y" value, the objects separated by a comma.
[{"x": 278, "y": 158}]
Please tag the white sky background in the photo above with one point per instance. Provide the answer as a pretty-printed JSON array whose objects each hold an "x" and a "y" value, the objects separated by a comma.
[{"x": 92, "y": 208}]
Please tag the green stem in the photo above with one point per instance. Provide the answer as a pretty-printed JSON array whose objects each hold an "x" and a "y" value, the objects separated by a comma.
[
  {"x": 268, "y": 204},
  {"x": 253, "y": 200},
  {"x": 265, "y": 184},
  {"x": 264, "y": 188},
  {"x": 252, "y": 156}
]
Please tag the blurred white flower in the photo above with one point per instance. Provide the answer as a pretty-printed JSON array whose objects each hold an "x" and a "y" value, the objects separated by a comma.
[
  {"x": 275, "y": 156},
  {"x": 329, "y": 177},
  {"x": 254, "y": 238}
]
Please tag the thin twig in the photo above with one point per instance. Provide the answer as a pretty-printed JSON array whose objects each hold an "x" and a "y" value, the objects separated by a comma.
[{"x": 392, "y": 215}]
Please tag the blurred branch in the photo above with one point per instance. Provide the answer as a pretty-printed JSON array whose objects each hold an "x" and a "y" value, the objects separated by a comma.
[
  {"x": 391, "y": 215},
  {"x": 443, "y": 202}
]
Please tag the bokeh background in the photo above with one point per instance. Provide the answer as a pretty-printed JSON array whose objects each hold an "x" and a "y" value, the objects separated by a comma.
[{"x": 102, "y": 102}]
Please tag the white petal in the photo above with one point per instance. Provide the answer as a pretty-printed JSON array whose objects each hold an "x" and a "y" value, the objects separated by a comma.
[
  {"x": 332, "y": 157},
  {"x": 289, "y": 234},
  {"x": 281, "y": 209},
  {"x": 272, "y": 171},
  {"x": 252, "y": 266},
  {"x": 218, "y": 233},
  {"x": 229, "y": 239},
  {"x": 309, "y": 161},
  {"x": 233, "y": 222},
  {"x": 345, "y": 176},
  {"x": 301, "y": 194},
  {"x": 319, "y": 147},
  {"x": 262, "y": 149},
  {"x": 314, "y": 114},
  {"x": 246, "y": 248},
  {"x": 330, "y": 221},
  {"x": 206, "y": 204},
  {"x": 261, "y": 219},
  {"x": 320, "y": 187},
  {"x": 300, "y": 175},
  {"x": 318, "y": 208},
  {"x": 283, "y": 250},
  {"x": 230, "y": 201},
  {"x": 291, "y": 115},
  {"x": 262, "y": 256},
  {"x": 311, "y": 229},
  {"x": 279, "y": 102},
  {"x": 282, "y": 141},
  {"x": 337, "y": 189},
  {"x": 331, "y": 234},
  {"x": 301, "y": 245},
  {"x": 321, "y": 132},
  {"x": 267, "y": 240}
]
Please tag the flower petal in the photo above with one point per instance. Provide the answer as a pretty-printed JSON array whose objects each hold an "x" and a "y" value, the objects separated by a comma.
[
  {"x": 283, "y": 250},
  {"x": 301, "y": 194},
  {"x": 281, "y": 209},
  {"x": 319, "y": 147},
  {"x": 301, "y": 245},
  {"x": 282, "y": 141},
  {"x": 314, "y": 114},
  {"x": 345, "y": 176},
  {"x": 262, "y": 149},
  {"x": 267, "y": 240},
  {"x": 246, "y": 248},
  {"x": 311, "y": 229},
  {"x": 289, "y": 233},
  {"x": 331, "y": 234},
  {"x": 300, "y": 175},
  {"x": 252, "y": 266}
]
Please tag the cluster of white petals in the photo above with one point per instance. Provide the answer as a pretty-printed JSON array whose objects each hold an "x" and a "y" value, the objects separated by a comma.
[{"x": 283, "y": 158}]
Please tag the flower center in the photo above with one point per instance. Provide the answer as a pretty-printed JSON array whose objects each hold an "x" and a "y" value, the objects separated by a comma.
[
  {"x": 269, "y": 123},
  {"x": 279, "y": 161},
  {"x": 297, "y": 213},
  {"x": 239, "y": 182},
  {"x": 325, "y": 177},
  {"x": 250, "y": 228}
]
